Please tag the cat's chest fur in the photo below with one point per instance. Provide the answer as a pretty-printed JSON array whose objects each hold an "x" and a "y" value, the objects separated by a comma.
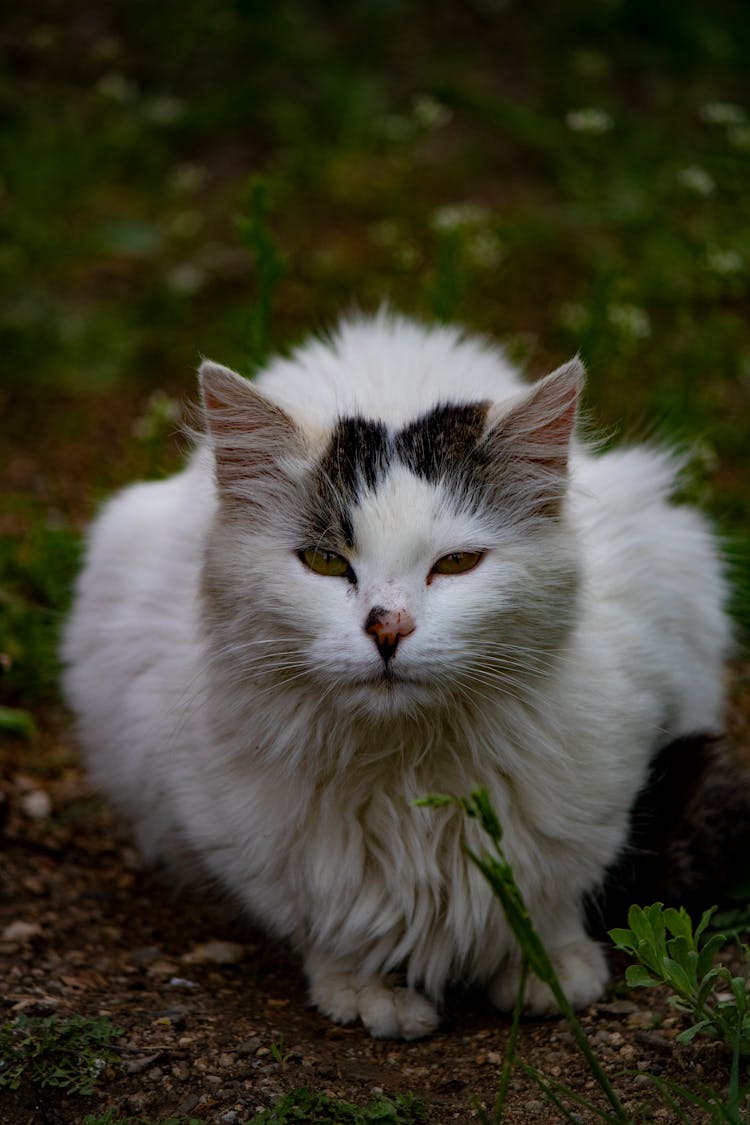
[{"x": 391, "y": 569}]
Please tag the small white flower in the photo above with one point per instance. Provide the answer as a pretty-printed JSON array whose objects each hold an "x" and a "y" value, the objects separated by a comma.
[
  {"x": 589, "y": 120},
  {"x": 188, "y": 178},
  {"x": 723, "y": 113},
  {"x": 161, "y": 412},
  {"x": 484, "y": 249},
  {"x": 117, "y": 87},
  {"x": 429, "y": 113},
  {"x": 452, "y": 216},
  {"x": 630, "y": 320},
  {"x": 185, "y": 278},
  {"x": 697, "y": 180},
  {"x": 724, "y": 262}
]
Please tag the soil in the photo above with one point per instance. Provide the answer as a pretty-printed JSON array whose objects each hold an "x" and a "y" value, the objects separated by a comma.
[{"x": 219, "y": 1032}]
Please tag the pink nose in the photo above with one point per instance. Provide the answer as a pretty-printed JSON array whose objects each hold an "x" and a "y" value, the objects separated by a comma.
[{"x": 387, "y": 627}]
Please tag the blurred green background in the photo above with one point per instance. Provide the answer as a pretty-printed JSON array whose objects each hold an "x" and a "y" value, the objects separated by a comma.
[{"x": 221, "y": 177}]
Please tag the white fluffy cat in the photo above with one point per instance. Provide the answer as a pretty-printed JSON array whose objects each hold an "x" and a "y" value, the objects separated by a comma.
[{"x": 392, "y": 569}]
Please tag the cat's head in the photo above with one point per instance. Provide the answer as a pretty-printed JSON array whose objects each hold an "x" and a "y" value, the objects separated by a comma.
[{"x": 391, "y": 570}]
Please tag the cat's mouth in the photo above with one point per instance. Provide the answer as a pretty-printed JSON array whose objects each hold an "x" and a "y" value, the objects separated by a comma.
[{"x": 390, "y": 679}]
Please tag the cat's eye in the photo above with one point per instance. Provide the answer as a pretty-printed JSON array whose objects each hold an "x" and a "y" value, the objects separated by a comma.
[
  {"x": 457, "y": 562},
  {"x": 327, "y": 563}
]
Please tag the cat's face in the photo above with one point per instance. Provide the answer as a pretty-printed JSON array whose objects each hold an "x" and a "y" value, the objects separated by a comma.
[{"x": 387, "y": 570}]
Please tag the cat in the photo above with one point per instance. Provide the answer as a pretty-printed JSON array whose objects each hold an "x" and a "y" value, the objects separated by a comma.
[{"x": 391, "y": 567}]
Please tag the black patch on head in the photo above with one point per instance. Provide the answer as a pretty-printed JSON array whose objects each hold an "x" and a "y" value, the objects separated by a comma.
[
  {"x": 445, "y": 442},
  {"x": 356, "y": 459}
]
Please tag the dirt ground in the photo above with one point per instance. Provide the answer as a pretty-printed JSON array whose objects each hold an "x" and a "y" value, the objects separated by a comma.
[{"x": 219, "y": 1033}]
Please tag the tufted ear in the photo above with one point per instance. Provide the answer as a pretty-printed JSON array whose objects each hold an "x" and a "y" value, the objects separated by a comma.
[
  {"x": 251, "y": 436},
  {"x": 534, "y": 435}
]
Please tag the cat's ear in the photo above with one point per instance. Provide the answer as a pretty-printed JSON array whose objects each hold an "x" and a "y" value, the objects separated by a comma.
[
  {"x": 535, "y": 433},
  {"x": 252, "y": 438}
]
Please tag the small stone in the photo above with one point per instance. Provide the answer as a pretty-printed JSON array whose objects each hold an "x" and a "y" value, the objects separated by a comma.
[
  {"x": 617, "y": 1008},
  {"x": 146, "y": 956},
  {"x": 655, "y": 1041},
  {"x": 249, "y": 1047},
  {"x": 215, "y": 953},
  {"x": 37, "y": 804},
  {"x": 162, "y": 969},
  {"x": 214, "y": 1079},
  {"x": 182, "y": 983},
  {"x": 35, "y": 1006},
  {"x": 494, "y": 1057},
  {"x": 20, "y": 931}
]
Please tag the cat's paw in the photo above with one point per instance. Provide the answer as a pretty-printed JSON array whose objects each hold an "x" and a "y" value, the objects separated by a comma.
[
  {"x": 386, "y": 1012},
  {"x": 581, "y": 968}
]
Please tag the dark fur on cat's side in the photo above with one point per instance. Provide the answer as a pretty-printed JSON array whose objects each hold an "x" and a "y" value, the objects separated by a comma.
[{"x": 689, "y": 842}]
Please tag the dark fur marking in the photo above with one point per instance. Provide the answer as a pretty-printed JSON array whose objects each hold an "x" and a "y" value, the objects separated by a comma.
[
  {"x": 356, "y": 459},
  {"x": 447, "y": 442},
  {"x": 689, "y": 834}
]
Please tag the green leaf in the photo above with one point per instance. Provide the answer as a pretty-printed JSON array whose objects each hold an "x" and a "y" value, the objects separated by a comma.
[
  {"x": 689, "y": 1035},
  {"x": 679, "y": 924},
  {"x": 624, "y": 939},
  {"x": 637, "y": 976},
  {"x": 708, "y": 954}
]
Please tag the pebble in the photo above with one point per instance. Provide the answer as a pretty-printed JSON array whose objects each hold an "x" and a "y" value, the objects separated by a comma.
[
  {"x": 36, "y": 804},
  {"x": 249, "y": 1047},
  {"x": 21, "y": 931},
  {"x": 161, "y": 969},
  {"x": 215, "y": 953}
]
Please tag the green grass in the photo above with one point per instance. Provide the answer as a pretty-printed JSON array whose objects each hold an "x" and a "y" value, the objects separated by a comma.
[{"x": 69, "y": 1054}]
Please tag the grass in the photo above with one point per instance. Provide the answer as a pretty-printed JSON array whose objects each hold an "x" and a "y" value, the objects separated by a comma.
[{"x": 69, "y": 1054}]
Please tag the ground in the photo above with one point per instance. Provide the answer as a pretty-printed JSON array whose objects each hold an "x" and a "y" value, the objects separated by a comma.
[{"x": 219, "y": 1031}]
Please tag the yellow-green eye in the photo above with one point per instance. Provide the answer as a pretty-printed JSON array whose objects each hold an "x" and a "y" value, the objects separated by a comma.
[
  {"x": 324, "y": 562},
  {"x": 457, "y": 562}
]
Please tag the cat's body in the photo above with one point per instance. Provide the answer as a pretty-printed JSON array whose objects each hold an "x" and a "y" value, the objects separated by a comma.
[{"x": 271, "y": 659}]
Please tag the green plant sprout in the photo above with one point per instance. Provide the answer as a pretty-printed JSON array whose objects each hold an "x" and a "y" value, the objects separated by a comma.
[
  {"x": 499, "y": 874},
  {"x": 670, "y": 952},
  {"x": 269, "y": 267}
]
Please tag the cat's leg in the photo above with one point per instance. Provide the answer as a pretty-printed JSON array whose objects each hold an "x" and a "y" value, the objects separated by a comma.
[
  {"x": 579, "y": 962},
  {"x": 386, "y": 1010}
]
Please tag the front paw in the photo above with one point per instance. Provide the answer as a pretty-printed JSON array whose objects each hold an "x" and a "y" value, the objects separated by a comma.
[
  {"x": 387, "y": 1012},
  {"x": 581, "y": 968}
]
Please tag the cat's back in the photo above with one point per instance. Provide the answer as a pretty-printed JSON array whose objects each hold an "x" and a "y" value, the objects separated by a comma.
[{"x": 387, "y": 367}]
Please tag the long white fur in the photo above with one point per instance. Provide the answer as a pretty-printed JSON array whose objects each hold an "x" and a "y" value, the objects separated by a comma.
[{"x": 233, "y": 727}]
